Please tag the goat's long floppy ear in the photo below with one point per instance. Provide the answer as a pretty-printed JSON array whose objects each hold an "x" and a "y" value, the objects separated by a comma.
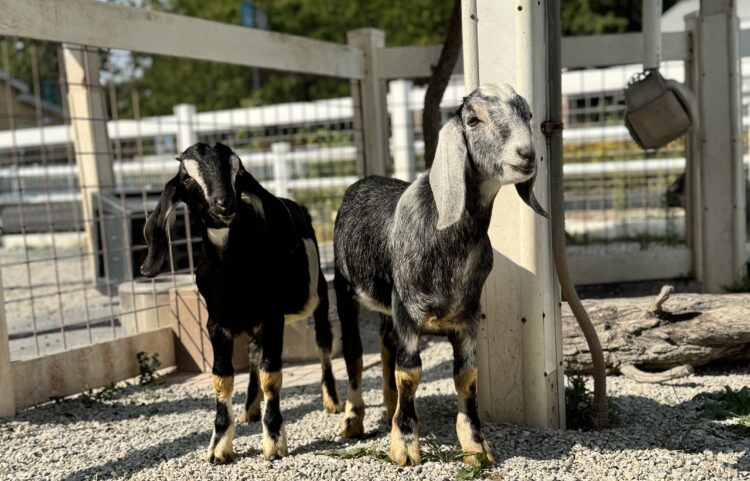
[
  {"x": 447, "y": 174},
  {"x": 526, "y": 192},
  {"x": 156, "y": 227}
]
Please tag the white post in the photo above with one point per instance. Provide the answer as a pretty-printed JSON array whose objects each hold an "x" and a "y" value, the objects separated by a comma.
[
  {"x": 280, "y": 151},
  {"x": 651, "y": 34},
  {"x": 402, "y": 130},
  {"x": 370, "y": 109},
  {"x": 520, "y": 338},
  {"x": 7, "y": 393},
  {"x": 184, "y": 115},
  {"x": 88, "y": 120},
  {"x": 720, "y": 173}
]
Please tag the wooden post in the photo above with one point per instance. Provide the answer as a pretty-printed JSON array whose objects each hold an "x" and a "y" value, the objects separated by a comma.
[
  {"x": 7, "y": 393},
  {"x": 88, "y": 120},
  {"x": 281, "y": 174},
  {"x": 720, "y": 179},
  {"x": 520, "y": 339},
  {"x": 370, "y": 109},
  {"x": 184, "y": 115},
  {"x": 402, "y": 127}
]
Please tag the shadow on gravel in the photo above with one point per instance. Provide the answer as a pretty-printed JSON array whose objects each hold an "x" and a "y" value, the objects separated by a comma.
[{"x": 642, "y": 424}]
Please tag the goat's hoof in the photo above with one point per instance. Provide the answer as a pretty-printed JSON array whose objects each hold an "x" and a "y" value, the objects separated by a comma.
[
  {"x": 249, "y": 417},
  {"x": 330, "y": 406},
  {"x": 274, "y": 449},
  {"x": 354, "y": 427},
  {"x": 471, "y": 458},
  {"x": 217, "y": 456},
  {"x": 404, "y": 450}
]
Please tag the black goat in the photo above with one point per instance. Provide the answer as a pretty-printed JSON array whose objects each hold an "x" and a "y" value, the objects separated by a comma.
[
  {"x": 419, "y": 253},
  {"x": 261, "y": 269}
]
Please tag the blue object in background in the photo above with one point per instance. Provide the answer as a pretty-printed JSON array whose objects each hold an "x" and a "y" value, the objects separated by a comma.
[
  {"x": 247, "y": 14},
  {"x": 252, "y": 16}
]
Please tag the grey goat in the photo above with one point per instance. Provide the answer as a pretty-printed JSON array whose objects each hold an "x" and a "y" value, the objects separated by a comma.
[{"x": 419, "y": 254}]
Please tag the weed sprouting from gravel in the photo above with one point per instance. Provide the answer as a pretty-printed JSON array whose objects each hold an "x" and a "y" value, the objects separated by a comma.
[
  {"x": 476, "y": 470},
  {"x": 729, "y": 404},
  {"x": 356, "y": 453},
  {"x": 106, "y": 393},
  {"x": 578, "y": 403},
  {"x": 431, "y": 452},
  {"x": 147, "y": 366}
]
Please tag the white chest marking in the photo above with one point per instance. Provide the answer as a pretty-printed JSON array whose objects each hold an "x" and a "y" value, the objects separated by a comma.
[
  {"x": 313, "y": 300},
  {"x": 218, "y": 237}
]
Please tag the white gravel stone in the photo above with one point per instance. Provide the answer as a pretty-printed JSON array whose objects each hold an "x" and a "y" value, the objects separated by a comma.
[{"x": 160, "y": 432}]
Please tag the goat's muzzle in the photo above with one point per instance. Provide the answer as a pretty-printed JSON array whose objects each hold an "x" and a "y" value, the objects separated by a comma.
[{"x": 223, "y": 210}]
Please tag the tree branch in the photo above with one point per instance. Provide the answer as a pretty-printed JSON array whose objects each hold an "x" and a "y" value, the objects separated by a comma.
[{"x": 441, "y": 75}]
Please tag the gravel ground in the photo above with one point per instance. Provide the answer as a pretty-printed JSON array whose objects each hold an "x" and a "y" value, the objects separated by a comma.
[{"x": 160, "y": 433}]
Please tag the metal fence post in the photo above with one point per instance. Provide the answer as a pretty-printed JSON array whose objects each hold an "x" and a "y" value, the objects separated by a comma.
[
  {"x": 186, "y": 135},
  {"x": 693, "y": 198},
  {"x": 280, "y": 152},
  {"x": 402, "y": 127},
  {"x": 720, "y": 177},
  {"x": 7, "y": 393},
  {"x": 370, "y": 109},
  {"x": 519, "y": 345},
  {"x": 88, "y": 121}
]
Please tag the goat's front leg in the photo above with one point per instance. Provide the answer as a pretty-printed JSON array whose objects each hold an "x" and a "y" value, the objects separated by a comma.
[
  {"x": 220, "y": 449},
  {"x": 468, "y": 425},
  {"x": 274, "y": 434},
  {"x": 251, "y": 413},
  {"x": 405, "y": 424}
]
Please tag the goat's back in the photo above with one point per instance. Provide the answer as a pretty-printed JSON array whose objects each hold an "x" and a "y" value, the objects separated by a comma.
[{"x": 361, "y": 236}]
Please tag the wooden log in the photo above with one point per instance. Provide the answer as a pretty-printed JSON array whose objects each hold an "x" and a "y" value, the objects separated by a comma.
[{"x": 675, "y": 330}]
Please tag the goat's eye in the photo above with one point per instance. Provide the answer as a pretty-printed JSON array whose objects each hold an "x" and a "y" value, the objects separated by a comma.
[
  {"x": 472, "y": 121},
  {"x": 531, "y": 116}
]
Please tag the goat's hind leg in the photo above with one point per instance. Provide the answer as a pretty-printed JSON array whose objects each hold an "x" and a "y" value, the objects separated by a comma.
[
  {"x": 405, "y": 423},
  {"x": 348, "y": 307},
  {"x": 468, "y": 425},
  {"x": 251, "y": 413},
  {"x": 220, "y": 448},
  {"x": 388, "y": 362},
  {"x": 324, "y": 340}
]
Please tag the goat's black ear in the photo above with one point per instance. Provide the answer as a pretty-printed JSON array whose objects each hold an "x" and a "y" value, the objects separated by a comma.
[
  {"x": 156, "y": 229},
  {"x": 526, "y": 192}
]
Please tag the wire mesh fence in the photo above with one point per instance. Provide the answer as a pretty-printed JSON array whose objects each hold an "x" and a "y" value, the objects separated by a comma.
[
  {"x": 616, "y": 194},
  {"x": 81, "y": 168}
]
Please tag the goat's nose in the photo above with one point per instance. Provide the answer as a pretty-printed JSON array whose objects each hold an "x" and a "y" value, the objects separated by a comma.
[
  {"x": 221, "y": 204},
  {"x": 526, "y": 153}
]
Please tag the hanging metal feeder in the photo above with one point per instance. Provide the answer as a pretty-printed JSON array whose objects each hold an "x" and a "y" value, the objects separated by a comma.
[{"x": 658, "y": 111}]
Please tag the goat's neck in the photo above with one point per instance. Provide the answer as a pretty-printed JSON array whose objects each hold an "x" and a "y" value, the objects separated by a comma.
[{"x": 480, "y": 197}]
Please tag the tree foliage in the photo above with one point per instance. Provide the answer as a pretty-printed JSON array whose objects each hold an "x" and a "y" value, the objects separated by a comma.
[
  {"x": 595, "y": 17},
  {"x": 155, "y": 84}
]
